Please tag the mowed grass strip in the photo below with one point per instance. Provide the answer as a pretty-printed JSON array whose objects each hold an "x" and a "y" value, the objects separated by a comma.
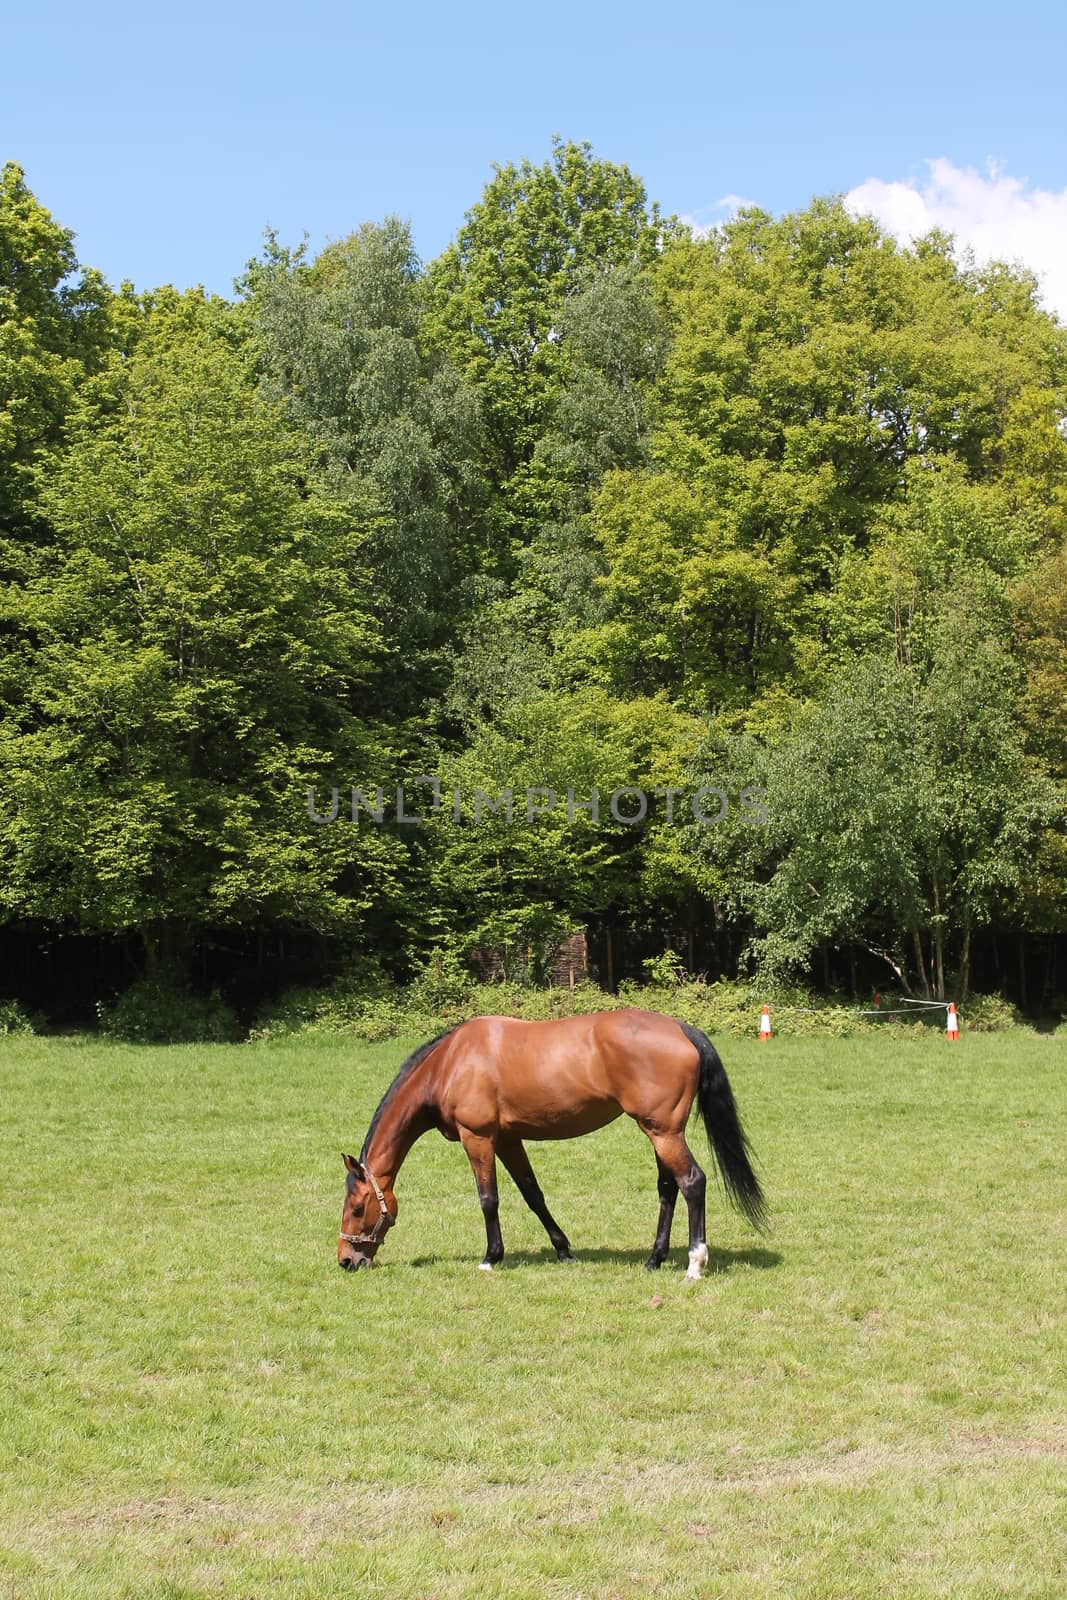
[{"x": 194, "y": 1401}]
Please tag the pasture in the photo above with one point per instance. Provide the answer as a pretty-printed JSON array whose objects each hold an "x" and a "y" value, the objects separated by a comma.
[{"x": 195, "y": 1402}]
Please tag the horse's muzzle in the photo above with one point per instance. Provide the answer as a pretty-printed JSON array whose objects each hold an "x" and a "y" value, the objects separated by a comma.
[{"x": 353, "y": 1263}]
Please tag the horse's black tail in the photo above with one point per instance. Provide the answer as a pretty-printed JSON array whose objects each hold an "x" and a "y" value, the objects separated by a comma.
[{"x": 725, "y": 1133}]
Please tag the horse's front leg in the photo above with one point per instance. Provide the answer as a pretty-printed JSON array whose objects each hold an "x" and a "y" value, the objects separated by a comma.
[
  {"x": 481, "y": 1153},
  {"x": 514, "y": 1157}
]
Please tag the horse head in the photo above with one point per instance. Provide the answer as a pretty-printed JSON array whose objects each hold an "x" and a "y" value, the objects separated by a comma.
[{"x": 369, "y": 1212}]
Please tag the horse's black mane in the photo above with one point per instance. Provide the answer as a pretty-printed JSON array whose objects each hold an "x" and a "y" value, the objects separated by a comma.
[{"x": 406, "y": 1069}]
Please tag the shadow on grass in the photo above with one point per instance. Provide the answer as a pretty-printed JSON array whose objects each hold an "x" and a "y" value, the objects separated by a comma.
[{"x": 719, "y": 1261}]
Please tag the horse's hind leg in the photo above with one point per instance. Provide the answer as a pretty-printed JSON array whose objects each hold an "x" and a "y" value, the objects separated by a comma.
[
  {"x": 515, "y": 1159},
  {"x": 668, "y": 1195},
  {"x": 675, "y": 1156},
  {"x": 482, "y": 1156}
]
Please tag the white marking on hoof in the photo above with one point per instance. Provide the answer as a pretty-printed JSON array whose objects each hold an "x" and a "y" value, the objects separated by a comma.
[
  {"x": 485, "y": 1266},
  {"x": 698, "y": 1260}
]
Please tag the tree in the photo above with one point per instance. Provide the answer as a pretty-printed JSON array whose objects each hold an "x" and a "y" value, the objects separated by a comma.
[
  {"x": 196, "y": 652},
  {"x": 1041, "y": 626},
  {"x": 815, "y": 367},
  {"x": 688, "y": 611},
  {"x": 53, "y": 329},
  {"x": 499, "y": 293},
  {"x": 616, "y": 344},
  {"x": 393, "y": 429},
  {"x": 902, "y": 812}
]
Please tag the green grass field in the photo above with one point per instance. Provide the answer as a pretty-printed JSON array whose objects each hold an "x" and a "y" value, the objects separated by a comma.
[{"x": 194, "y": 1401}]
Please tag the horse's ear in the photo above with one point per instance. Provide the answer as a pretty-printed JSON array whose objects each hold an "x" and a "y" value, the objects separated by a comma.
[{"x": 353, "y": 1165}]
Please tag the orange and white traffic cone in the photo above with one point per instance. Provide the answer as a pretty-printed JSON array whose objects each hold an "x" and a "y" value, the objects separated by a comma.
[
  {"x": 765, "y": 1025},
  {"x": 952, "y": 1024}
]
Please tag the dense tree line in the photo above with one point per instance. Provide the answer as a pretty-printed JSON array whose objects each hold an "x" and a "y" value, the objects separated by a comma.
[{"x": 585, "y": 505}]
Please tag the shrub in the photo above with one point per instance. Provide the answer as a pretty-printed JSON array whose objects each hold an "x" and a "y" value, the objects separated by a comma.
[
  {"x": 988, "y": 1013},
  {"x": 163, "y": 1010},
  {"x": 443, "y": 994},
  {"x": 664, "y": 970},
  {"x": 443, "y": 983},
  {"x": 13, "y": 1019},
  {"x": 344, "y": 1006}
]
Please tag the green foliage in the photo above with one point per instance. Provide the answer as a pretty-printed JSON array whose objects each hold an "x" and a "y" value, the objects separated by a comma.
[
  {"x": 585, "y": 504},
  {"x": 445, "y": 993},
  {"x": 901, "y": 812},
  {"x": 202, "y": 640},
  {"x": 733, "y": 1008},
  {"x": 616, "y": 344},
  {"x": 500, "y": 307},
  {"x": 813, "y": 365},
  {"x": 664, "y": 970},
  {"x": 518, "y": 885},
  {"x": 989, "y": 1013},
  {"x": 689, "y": 613},
  {"x": 394, "y": 430},
  {"x": 443, "y": 982},
  {"x": 1040, "y": 601},
  {"x": 161, "y": 1009},
  {"x": 54, "y": 330},
  {"x": 15, "y": 1019}
]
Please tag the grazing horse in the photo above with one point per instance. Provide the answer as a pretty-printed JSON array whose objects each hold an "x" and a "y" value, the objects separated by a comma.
[{"x": 494, "y": 1081}]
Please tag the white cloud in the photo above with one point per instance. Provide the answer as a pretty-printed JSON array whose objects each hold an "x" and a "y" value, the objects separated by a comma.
[
  {"x": 998, "y": 217},
  {"x": 729, "y": 205}
]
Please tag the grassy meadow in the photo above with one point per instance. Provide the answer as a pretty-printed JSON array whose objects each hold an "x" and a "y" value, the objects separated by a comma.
[{"x": 195, "y": 1402}]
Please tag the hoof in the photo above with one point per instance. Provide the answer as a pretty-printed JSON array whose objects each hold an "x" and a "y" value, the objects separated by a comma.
[
  {"x": 485, "y": 1266},
  {"x": 698, "y": 1260},
  {"x": 567, "y": 1257},
  {"x": 652, "y": 1265}
]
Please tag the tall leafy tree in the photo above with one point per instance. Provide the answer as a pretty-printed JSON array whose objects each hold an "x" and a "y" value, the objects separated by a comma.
[
  {"x": 814, "y": 365},
  {"x": 198, "y": 650},
  {"x": 902, "y": 812},
  {"x": 393, "y": 429},
  {"x": 54, "y": 327},
  {"x": 1041, "y": 628},
  {"x": 542, "y": 850},
  {"x": 601, "y": 421},
  {"x": 500, "y": 291}
]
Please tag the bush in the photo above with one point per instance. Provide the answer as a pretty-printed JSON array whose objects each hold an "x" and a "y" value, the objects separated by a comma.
[
  {"x": 664, "y": 970},
  {"x": 733, "y": 1007},
  {"x": 443, "y": 984},
  {"x": 988, "y": 1013},
  {"x": 540, "y": 1005},
  {"x": 437, "y": 999},
  {"x": 344, "y": 1006},
  {"x": 163, "y": 1010},
  {"x": 13, "y": 1019},
  {"x": 444, "y": 994}
]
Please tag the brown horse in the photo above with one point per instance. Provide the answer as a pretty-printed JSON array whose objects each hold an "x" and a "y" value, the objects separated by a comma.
[{"x": 494, "y": 1081}]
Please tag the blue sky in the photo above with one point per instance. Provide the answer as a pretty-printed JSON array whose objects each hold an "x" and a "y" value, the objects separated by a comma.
[{"x": 169, "y": 137}]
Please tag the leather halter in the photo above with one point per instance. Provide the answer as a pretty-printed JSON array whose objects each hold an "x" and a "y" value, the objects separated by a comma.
[{"x": 384, "y": 1222}]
